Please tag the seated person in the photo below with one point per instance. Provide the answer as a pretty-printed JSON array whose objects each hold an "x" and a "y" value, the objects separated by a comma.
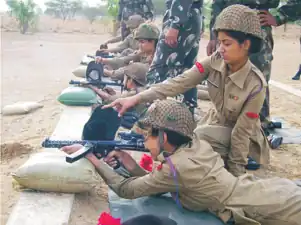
[
  {"x": 195, "y": 175},
  {"x": 235, "y": 86},
  {"x": 103, "y": 123},
  {"x": 129, "y": 44},
  {"x": 147, "y": 35}
]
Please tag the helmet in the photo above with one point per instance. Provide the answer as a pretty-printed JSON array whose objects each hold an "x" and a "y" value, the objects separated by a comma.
[
  {"x": 137, "y": 71},
  {"x": 134, "y": 21},
  {"x": 239, "y": 18},
  {"x": 147, "y": 31},
  {"x": 171, "y": 115}
]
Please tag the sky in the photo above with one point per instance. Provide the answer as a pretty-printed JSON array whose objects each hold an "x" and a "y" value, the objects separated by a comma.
[{"x": 3, "y": 6}]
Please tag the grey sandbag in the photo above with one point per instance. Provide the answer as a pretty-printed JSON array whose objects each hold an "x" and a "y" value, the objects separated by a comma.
[{"x": 160, "y": 206}]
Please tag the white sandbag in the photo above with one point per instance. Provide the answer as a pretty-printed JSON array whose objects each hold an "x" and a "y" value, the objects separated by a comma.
[
  {"x": 49, "y": 171},
  {"x": 21, "y": 108},
  {"x": 80, "y": 71},
  {"x": 86, "y": 59}
]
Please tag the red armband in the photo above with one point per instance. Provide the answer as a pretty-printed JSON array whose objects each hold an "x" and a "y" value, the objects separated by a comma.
[
  {"x": 107, "y": 219},
  {"x": 252, "y": 115},
  {"x": 200, "y": 67}
]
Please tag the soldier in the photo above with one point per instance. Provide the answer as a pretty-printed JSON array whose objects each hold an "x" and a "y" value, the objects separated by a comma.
[
  {"x": 178, "y": 43},
  {"x": 127, "y": 8},
  {"x": 103, "y": 124},
  {"x": 147, "y": 36},
  {"x": 263, "y": 59},
  {"x": 236, "y": 88},
  {"x": 291, "y": 11},
  {"x": 195, "y": 175},
  {"x": 129, "y": 43}
]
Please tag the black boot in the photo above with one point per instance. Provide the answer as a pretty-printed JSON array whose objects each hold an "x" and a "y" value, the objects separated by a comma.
[{"x": 298, "y": 74}]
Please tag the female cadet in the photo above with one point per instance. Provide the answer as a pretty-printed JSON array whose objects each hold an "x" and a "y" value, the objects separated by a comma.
[
  {"x": 195, "y": 174},
  {"x": 236, "y": 88}
]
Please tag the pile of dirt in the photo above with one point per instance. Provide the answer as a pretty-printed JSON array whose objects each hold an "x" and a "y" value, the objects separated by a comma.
[{"x": 11, "y": 150}]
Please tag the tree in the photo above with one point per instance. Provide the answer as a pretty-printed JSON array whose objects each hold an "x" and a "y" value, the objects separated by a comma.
[
  {"x": 63, "y": 8},
  {"x": 24, "y": 11},
  {"x": 113, "y": 8},
  {"x": 91, "y": 13},
  {"x": 75, "y": 6}
]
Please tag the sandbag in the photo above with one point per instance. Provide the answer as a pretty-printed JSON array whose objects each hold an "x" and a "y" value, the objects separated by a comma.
[
  {"x": 78, "y": 96},
  {"x": 49, "y": 171},
  {"x": 86, "y": 59},
  {"x": 21, "y": 108},
  {"x": 80, "y": 71}
]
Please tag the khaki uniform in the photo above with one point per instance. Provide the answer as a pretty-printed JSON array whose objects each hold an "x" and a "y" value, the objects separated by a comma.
[
  {"x": 119, "y": 64},
  {"x": 204, "y": 184},
  {"x": 229, "y": 125},
  {"x": 128, "y": 43}
]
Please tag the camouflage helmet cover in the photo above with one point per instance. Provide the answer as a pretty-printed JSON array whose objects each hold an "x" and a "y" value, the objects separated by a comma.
[
  {"x": 239, "y": 18},
  {"x": 137, "y": 71},
  {"x": 134, "y": 21},
  {"x": 147, "y": 31},
  {"x": 171, "y": 115}
]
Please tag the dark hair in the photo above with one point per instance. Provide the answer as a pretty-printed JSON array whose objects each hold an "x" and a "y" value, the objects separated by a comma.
[
  {"x": 174, "y": 138},
  {"x": 240, "y": 37},
  {"x": 149, "y": 220}
]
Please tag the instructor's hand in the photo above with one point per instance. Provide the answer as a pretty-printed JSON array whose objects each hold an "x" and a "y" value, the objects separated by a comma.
[{"x": 123, "y": 104}]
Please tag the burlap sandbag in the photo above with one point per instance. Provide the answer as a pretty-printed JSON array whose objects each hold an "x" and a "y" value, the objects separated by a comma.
[
  {"x": 49, "y": 171},
  {"x": 80, "y": 71},
  {"x": 21, "y": 108}
]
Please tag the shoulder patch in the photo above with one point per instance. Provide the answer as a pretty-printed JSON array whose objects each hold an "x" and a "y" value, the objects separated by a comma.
[{"x": 259, "y": 74}]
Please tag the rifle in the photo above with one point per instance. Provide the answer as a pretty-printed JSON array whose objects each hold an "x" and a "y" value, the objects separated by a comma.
[
  {"x": 97, "y": 83},
  {"x": 128, "y": 141}
]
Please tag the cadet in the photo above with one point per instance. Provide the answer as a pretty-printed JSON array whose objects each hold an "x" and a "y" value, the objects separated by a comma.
[
  {"x": 147, "y": 36},
  {"x": 236, "y": 88},
  {"x": 178, "y": 43},
  {"x": 195, "y": 174},
  {"x": 290, "y": 11},
  {"x": 127, "y": 8},
  {"x": 104, "y": 123},
  {"x": 262, "y": 59},
  {"x": 129, "y": 42}
]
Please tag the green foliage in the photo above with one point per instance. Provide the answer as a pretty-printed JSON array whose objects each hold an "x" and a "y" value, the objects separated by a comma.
[
  {"x": 113, "y": 8},
  {"x": 159, "y": 6},
  {"x": 24, "y": 11}
]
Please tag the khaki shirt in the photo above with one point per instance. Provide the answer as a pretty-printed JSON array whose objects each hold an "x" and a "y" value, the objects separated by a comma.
[
  {"x": 204, "y": 184},
  {"x": 129, "y": 42},
  {"x": 139, "y": 108},
  {"x": 119, "y": 62},
  {"x": 237, "y": 100}
]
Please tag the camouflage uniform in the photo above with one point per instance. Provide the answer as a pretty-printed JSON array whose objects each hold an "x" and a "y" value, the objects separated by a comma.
[
  {"x": 144, "y": 31},
  {"x": 289, "y": 12},
  {"x": 127, "y": 8},
  {"x": 196, "y": 178},
  {"x": 185, "y": 16},
  {"x": 263, "y": 59},
  {"x": 129, "y": 44}
]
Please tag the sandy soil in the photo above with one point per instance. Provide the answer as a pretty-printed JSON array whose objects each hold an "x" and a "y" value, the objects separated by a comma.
[{"x": 38, "y": 67}]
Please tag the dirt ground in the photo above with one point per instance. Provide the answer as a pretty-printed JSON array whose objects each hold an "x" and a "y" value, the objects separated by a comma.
[{"x": 38, "y": 67}]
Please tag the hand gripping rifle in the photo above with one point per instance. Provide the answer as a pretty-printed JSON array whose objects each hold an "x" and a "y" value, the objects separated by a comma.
[{"x": 128, "y": 141}]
